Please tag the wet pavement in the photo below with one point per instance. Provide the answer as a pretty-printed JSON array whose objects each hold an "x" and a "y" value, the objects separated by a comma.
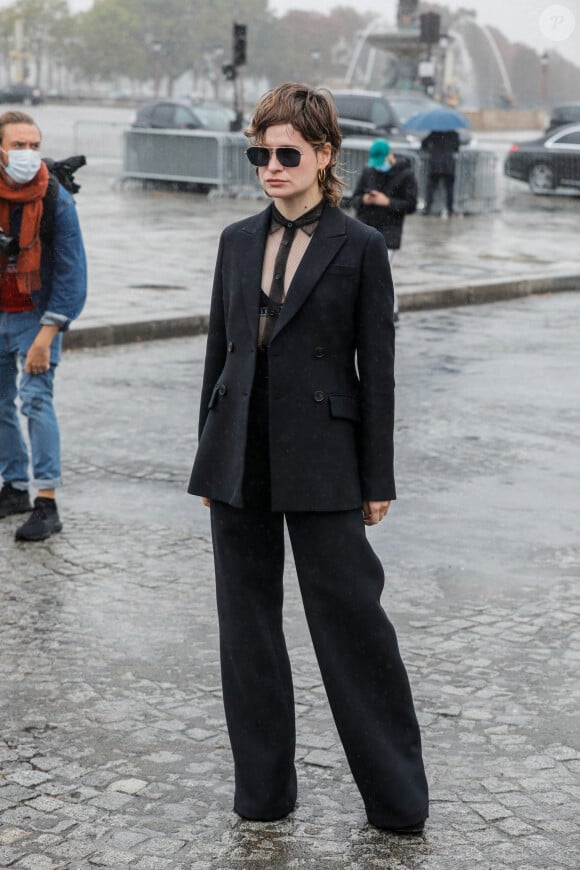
[
  {"x": 152, "y": 254},
  {"x": 113, "y": 748}
]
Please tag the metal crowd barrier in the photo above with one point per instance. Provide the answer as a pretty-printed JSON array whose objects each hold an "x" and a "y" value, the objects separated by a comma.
[
  {"x": 217, "y": 162},
  {"x": 477, "y": 182}
]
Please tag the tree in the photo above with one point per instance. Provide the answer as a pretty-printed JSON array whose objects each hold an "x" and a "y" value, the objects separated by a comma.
[
  {"x": 300, "y": 45},
  {"x": 145, "y": 39},
  {"x": 110, "y": 42},
  {"x": 40, "y": 20}
]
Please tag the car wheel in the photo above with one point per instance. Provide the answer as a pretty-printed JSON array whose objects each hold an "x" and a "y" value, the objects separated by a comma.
[{"x": 541, "y": 178}]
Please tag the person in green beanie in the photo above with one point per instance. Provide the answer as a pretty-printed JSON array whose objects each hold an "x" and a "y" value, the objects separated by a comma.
[{"x": 385, "y": 193}]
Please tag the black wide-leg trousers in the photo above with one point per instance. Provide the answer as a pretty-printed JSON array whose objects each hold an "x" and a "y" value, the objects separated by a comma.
[{"x": 341, "y": 581}]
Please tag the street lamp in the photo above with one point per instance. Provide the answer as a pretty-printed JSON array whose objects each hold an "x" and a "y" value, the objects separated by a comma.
[
  {"x": 315, "y": 58},
  {"x": 544, "y": 67},
  {"x": 217, "y": 54},
  {"x": 156, "y": 49}
]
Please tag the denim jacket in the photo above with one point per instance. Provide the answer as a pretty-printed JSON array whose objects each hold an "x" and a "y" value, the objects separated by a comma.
[{"x": 63, "y": 266}]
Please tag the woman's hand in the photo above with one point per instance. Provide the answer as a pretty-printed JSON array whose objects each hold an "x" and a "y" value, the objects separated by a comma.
[
  {"x": 206, "y": 501},
  {"x": 374, "y": 511},
  {"x": 375, "y": 197}
]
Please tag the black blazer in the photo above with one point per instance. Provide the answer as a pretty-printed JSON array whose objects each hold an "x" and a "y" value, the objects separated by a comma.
[{"x": 331, "y": 416}]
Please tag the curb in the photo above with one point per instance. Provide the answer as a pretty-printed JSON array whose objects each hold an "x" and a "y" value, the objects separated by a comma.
[
  {"x": 125, "y": 333},
  {"x": 482, "y": 291},
  {"x": 474, "y": 293}
]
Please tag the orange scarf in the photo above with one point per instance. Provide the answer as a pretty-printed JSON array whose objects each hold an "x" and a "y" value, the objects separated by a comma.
[{"x": 31, "y": 196}]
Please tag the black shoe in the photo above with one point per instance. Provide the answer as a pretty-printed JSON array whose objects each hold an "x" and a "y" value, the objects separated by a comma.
[
  {"x": 13, "y": 501},
  {"x": 406, "y": 831},
  {"x": 410, "y": 830},
  {"x": 42, "y": 522}
]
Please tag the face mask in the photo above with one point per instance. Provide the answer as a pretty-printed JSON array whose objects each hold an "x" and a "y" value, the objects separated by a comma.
[
  {"x": 386, "y": 167},
  {"x": 22, "y": 165}
]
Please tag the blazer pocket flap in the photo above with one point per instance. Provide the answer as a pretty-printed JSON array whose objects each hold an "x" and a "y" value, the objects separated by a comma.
[
  {"x": 345, "y": 407},
  {"x": 339, "y": 269}
]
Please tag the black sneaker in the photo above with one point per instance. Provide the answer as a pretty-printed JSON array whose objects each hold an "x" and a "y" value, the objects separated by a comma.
[
  {"x": 13, "y": 501},
  {"x": 42, "y": 522},
  {"x": 409, "y": 830}
]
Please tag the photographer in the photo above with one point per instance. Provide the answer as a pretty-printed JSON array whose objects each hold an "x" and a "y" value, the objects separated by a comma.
[
  {"x": 386, "y": 191},
  {"x": 42, "y": 289}
]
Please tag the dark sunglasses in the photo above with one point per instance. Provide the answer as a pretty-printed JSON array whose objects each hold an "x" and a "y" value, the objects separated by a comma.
[{"x": 259, "y": 155}]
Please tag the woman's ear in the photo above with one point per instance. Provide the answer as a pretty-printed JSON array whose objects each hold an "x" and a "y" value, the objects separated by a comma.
[{"x": 324, "y": 154}]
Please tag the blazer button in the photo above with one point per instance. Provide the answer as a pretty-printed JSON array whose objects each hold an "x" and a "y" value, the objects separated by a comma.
[
  {"x": 222, "y": 389},
  {"x": 319, "y": 352},
  {"x": 318, "y": 396},
  {"x": 231, "y": 346}
]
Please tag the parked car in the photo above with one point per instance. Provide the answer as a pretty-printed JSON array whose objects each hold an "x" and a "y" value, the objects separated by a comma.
[
  {"x": 183, "y": 115},
  {"x": 566, "y": 113},
  {"x": 551, "y": 161},
  {"x": 405, "y": 104},
  {"x": 20, "y": 92},
  {"x": 369, "y": 113}
]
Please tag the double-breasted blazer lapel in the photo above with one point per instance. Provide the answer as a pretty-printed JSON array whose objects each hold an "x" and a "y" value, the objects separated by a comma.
[{"x": 329, "y": 237}]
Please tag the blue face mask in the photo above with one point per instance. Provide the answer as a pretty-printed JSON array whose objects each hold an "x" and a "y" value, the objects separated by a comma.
[
  {"x": 386, "y": 167},
  {"x": 23, "y": 165}
]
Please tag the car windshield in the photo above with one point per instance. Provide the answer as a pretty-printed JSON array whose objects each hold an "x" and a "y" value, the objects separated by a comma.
[
  {"x": 406, "y": 107},
  {"x": 214, "y": 117}
]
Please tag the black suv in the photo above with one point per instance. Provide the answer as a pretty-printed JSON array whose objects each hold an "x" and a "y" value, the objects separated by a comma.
[
  {"x": 364, "y": 113},
  {"x": 369, "y": 113},
  {"x": 566, "y": 113}
]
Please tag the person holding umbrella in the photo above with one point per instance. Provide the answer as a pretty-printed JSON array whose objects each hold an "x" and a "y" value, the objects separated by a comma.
[
  {"x": 442, "y": 144},
  {"x": 442, "y": 147}
]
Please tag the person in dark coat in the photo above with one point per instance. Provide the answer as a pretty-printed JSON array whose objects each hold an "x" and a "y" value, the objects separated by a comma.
[
  {"x": 296, "y": 425},
  {"x": 442, "y": 148},
  {"x": 385, "y": 193}
]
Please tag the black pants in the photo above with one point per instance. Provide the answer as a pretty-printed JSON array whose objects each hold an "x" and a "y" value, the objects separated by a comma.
[
  {"x": 432, "y": 185},
  {"x": 341, "y": 580}
]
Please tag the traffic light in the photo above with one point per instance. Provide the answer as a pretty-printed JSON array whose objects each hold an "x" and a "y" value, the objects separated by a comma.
[
  {"x": 430, "y": 27},
  {"x": 239, "y": 44}
]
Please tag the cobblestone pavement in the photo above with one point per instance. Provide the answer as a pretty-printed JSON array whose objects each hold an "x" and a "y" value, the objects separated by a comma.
[{"x": 113, "y": 749}]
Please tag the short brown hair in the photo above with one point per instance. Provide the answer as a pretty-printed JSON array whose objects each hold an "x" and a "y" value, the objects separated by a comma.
[
  {"x": 311, "y": 111},
  {"x": 15, "y": 117}
]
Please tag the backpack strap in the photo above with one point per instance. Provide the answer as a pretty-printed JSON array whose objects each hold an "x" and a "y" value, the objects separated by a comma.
[
  {"x": 61, "y": 173},
  {"x": 49, "y": 212}
]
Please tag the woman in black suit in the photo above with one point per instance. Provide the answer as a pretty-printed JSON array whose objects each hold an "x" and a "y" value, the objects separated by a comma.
[{"x": 296, "y": 423}]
